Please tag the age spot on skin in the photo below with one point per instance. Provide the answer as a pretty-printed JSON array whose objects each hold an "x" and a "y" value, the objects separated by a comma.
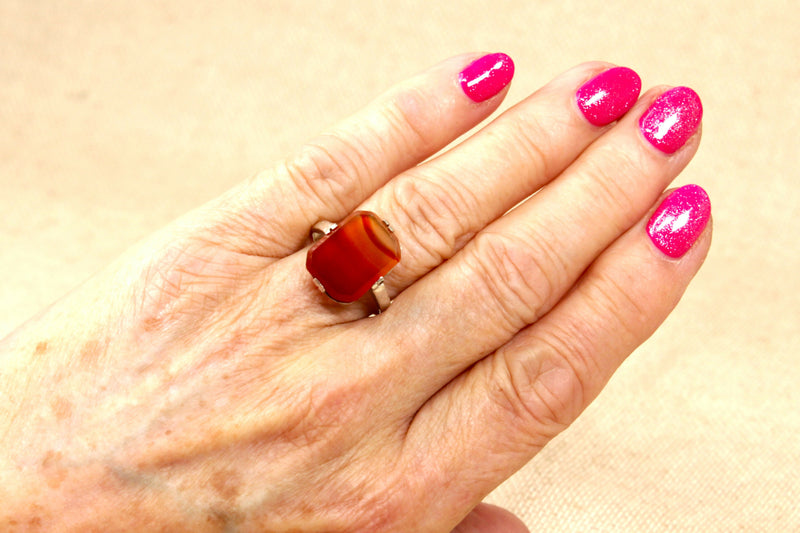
[
  {"x": 151, "y": 323},
  {"x": 223, "y": 521},
  {"x": 41, "y": 348},
  {"x": 53, "y": 470},
  {"x": 51, "y": 459},
  {"x": 90, "y": 353},
  {"x": 61, "y": 407},
  {"x": 226, "y": 484}
]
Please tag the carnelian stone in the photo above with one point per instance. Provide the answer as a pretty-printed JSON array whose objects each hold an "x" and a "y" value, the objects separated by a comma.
[{"x": 350, "y": 259}]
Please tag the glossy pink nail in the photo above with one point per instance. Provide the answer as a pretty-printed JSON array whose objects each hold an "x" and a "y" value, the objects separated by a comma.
[
  {"x": 486, "y": 76},
  {"x": 672, "y": 119},
  {"x": 679, "y": 220},
  {"x": 608, "y": 96}
]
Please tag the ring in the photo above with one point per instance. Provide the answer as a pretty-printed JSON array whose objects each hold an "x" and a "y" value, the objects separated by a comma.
[{"x": 349, "y": 259}]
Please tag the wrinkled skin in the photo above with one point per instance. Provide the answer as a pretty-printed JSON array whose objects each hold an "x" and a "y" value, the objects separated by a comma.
[{"x": 202, "y": 383}]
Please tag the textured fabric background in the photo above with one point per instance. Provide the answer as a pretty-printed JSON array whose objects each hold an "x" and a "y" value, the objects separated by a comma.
[{"x": 115, "y": 117}]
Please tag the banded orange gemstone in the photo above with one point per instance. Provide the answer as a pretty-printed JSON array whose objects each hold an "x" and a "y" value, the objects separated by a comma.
[{"x": 350, "y": 259}]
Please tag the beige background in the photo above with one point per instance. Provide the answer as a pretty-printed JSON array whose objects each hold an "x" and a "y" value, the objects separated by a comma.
[{"x": 115, "y": 117}]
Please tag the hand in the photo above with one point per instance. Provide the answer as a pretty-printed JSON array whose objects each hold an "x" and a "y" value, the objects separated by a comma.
[{"x": 202, "y": 383}]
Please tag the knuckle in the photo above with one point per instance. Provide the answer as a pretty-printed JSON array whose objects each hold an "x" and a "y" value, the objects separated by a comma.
[
  {"x": 540, "y": 391},
  {"x": 572, "y": 342},
  {"x": 327, "y": 169},
  {"x": 433, "y": 214},
  {"x": 520, "y": 277}
]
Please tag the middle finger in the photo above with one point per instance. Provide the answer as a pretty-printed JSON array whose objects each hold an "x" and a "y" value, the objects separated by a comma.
[{"x": 437, "y": 207}]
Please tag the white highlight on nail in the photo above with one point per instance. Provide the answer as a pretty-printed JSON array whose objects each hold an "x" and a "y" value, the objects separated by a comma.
[
  {"x": 486, "y": 74},
  {"x": 599, "y": 95},
  {"x": 666, "y": 125},
  {"x": 674, "y": 223}
]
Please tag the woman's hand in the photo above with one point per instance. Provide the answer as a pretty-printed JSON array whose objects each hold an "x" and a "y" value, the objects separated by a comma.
[{"x": 203, "y": 383}]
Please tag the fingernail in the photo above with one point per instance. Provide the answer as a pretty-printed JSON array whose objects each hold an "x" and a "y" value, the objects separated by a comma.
[
  {"x": 486, "y": 76},
  {"x": 608, "y": 96},
  {"x": 679, "y": 220},
  {"x": 672, "y": 119}
]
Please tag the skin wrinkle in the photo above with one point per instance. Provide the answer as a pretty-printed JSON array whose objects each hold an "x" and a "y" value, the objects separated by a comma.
[
  {"x": 343, "y": 425},
  {"x": 535, "y": 156},
  {"x": 458, "y": 490},
  {"x": 299, "y": 417},
  {"x": 323, "y": 177},
  {"x": 409, "y": 112},
  {"x": 182, "y": 427},
  {"x": 514, "y": 279},
  {"x": 348, "y": 493},
  {"x": 247, "y": 222},
  {"x": 212, "y": 357},
  {"x": 427, "y": 212},
  {"x": 357, "y": 156},
  {"x": 521, "y": 134},
  {"x": 616, "y": 301},
  {"x": 542, "y": 390},
  {"x": 613, "y": 190},
  {"x": 173, "y": 284},
  {"x": 573, "y": 342}
]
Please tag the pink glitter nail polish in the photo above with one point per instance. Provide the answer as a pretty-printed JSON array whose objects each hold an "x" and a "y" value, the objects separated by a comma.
[
  {"x": 679, "y": 220},
  {"x": 672, "y": 119},
  {"x": 486, "y": 76},
  {"x": 608, "y": 96}
]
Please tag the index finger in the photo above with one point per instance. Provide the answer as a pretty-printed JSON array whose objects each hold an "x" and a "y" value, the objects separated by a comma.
[{"x": 336, "y": 171}]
